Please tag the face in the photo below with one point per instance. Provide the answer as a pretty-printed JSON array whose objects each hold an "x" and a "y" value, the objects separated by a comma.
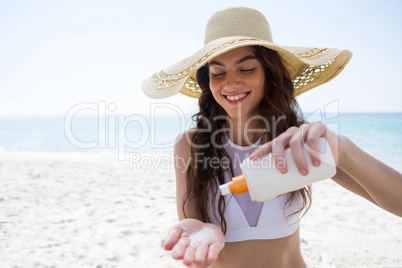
[{"x": 237, "y": 82}]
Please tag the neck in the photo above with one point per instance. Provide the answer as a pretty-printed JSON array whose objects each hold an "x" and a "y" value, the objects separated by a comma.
[{"x": 244, "y": 132}]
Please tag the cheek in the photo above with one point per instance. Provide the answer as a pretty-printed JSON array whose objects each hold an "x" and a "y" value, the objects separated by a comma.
[
  {"x": 259, "y": 82},
  {"x": 261, "y": 87},
  {"x": 216, "y": 96},
  {"x": 214, "y": 86}
]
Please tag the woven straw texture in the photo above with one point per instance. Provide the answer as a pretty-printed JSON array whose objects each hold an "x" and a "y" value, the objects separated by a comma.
[{"x": 236, "y": 27}]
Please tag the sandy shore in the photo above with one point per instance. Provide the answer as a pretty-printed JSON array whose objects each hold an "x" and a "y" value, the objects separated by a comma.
[{"x": 78, "y": 210}]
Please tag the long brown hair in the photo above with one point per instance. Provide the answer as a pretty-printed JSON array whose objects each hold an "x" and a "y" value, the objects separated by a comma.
[{"x": 203, "y": 176}]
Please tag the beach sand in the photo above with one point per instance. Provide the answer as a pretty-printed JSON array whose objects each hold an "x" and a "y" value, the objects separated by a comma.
[{"x": 83, "y": 210}]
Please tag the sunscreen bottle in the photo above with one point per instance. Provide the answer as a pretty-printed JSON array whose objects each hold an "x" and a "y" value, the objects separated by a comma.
[{"x": 264, "y": 181}]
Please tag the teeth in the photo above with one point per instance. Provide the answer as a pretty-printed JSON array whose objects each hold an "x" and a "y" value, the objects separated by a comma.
[{"x": 236, "y": 97}]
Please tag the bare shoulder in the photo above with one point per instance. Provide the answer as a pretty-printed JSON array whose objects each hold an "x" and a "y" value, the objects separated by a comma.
[
  {"x": 183, "y": 142},
  {"x": 182, "y": 150}
]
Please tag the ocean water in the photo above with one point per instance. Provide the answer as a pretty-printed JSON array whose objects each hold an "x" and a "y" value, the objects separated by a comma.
[{"x": 379, "y": 134}]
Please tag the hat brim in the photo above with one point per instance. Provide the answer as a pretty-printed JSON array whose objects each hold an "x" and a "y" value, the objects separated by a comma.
[{"x": 308, "y": 67}]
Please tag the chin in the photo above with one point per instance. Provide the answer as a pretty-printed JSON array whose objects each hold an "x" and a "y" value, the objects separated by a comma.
[{"x": 236, "y": 115}]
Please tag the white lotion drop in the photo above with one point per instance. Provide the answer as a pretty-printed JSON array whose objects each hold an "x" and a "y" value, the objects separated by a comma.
[{"x": 202, "y": 236}]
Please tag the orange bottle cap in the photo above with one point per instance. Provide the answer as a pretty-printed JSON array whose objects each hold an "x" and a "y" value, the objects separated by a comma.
[{"x": 240, "y": 184}]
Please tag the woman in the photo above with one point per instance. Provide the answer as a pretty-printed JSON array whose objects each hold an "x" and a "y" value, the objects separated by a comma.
[{"x": 246, "y": 85}]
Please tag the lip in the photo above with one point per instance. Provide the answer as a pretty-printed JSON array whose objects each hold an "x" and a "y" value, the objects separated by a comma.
[{"x": 236, "y": 101}]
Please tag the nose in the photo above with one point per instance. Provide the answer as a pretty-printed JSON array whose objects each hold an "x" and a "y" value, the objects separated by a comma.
[{"x": 233, "y": 81}]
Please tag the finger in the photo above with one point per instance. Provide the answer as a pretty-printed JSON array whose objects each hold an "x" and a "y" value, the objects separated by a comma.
[
  {"x": 316, "y": 131},
  {"x": 188, "y": 258},
  {"x": 261, "y": 151},
  {"x": 278, "y": 155},
  {"x": 201, "y": 254},
  {"x": 173, "y": 237},
  {"x": 267, "y": 147},
  {"x": 278, "y": 148},
  {"x": 296, "y": 147},
  {"x": 213, "y": 252},
  {"x": 180, "y": 249},
  {"x": 312, "y": 146}
]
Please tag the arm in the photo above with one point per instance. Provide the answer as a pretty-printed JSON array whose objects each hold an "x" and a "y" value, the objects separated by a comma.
[
  {"x": 357, "y": 171},
  {"x": 182, "y": 158},
  {"x": 190, "y": 240},
  {"x": 382, "y": 184}
]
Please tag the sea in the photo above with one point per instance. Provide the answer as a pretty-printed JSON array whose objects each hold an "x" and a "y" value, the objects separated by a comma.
[{"x": 379, "y": 134}]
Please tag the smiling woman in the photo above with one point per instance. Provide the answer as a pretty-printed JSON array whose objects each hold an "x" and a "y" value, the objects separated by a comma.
[
  {"x": 243, "y": 72},
  {"x": 237, "y": 78},
  {"x": 246, "y": 86}
]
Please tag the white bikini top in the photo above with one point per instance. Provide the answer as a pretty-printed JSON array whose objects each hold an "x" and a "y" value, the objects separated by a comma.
[{"x": 248, "y": 220}]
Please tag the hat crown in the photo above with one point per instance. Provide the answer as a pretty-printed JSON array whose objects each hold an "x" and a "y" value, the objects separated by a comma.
[{"x": 237, "y": 21}]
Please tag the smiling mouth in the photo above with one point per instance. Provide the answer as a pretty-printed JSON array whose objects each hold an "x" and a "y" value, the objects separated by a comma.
[{"x": 236, "y": 97}]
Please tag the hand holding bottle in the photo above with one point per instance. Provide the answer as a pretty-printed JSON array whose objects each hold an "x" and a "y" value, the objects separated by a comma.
[
  {"x": 287, "y": 164},
  {"x": 294, "y": 138}
]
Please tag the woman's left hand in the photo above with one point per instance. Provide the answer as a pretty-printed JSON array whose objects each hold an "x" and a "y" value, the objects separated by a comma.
[{"x": 294, "y": 138}]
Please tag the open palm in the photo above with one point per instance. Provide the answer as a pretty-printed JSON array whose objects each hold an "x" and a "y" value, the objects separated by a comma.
[{"x": 194, "y": 242}]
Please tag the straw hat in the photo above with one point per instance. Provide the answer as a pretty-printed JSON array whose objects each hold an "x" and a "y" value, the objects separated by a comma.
[{"x": 240, "y": 26}]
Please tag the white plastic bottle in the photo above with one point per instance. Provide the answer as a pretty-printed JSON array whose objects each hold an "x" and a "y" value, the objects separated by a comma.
[{"x": 264, "y": 181}]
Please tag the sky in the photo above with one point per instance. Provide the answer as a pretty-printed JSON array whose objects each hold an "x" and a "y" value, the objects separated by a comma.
[{"x": 56, "y": 56}]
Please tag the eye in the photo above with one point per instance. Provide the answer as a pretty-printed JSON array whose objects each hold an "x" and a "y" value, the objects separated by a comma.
[
  {"x": 248, "y": 70},
  {"x": 218, "y": 74}
]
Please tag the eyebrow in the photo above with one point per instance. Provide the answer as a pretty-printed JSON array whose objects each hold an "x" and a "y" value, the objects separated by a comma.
[{"x": 246, "y": 58}]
